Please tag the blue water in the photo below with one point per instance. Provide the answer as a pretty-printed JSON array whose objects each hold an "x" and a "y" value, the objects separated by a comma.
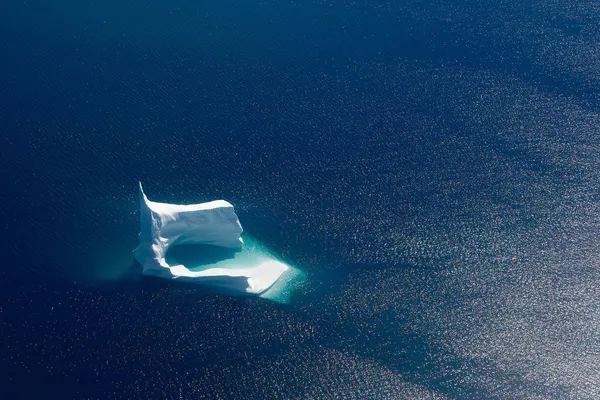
[{"x": 432, "y": 168}]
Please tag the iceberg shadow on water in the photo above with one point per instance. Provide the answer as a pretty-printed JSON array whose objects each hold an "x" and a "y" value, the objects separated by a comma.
[{"x": 199, "y": 256}]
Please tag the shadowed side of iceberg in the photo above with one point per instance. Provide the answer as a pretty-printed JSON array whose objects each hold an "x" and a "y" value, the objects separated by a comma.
[{"x": 215, "y": 223}]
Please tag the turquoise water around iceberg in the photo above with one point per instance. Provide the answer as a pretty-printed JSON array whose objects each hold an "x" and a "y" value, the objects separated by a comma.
[
  {"x": 201, "y": 257},
  {"x": 252, "y": 254}
]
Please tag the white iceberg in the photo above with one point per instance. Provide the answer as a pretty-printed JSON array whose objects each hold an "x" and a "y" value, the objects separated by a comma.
[{"x": 214, "y": 225}]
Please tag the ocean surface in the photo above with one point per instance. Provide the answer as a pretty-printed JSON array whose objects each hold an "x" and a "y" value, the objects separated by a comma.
[{"x": 432, "y": 168}]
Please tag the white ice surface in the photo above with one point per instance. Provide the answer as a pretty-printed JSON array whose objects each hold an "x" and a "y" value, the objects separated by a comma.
[{"x": 214, "y": 223}]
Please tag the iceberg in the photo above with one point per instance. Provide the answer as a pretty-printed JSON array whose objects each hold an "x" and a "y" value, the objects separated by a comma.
[{"x": 213, "y": 225}]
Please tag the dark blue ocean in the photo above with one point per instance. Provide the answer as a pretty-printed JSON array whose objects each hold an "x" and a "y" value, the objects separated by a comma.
[{"x": 432, "y": 168}]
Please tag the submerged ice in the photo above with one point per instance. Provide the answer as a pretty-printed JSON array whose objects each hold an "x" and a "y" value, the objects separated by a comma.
[{"x": 211, "y": 228}]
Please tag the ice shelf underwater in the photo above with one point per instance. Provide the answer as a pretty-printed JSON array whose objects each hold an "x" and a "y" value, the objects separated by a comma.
[{"x": 163, "y": 226}]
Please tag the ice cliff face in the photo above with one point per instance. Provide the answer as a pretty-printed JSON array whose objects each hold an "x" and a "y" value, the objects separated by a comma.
[{"x": 163, "y": 225}]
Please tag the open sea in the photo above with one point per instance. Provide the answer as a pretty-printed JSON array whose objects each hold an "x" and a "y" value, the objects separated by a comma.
[{"x": 432, "y": 168}]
